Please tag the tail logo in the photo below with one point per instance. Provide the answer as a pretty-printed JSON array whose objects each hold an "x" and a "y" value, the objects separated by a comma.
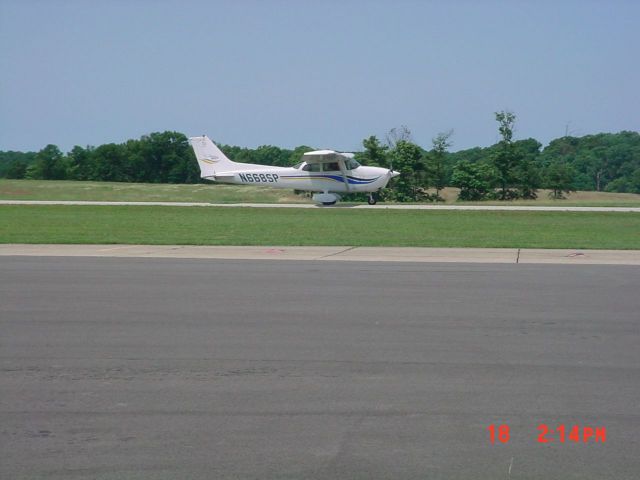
[{"x": 211, "y": 159}]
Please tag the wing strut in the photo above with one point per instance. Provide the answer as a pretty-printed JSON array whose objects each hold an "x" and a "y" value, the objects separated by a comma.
[{"x": 343, "y": 170}]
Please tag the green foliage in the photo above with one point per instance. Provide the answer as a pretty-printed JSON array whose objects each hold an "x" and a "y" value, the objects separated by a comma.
[
  {"x": 408, "y": 159},
  {"x": 558, "y": 177},
  {"x": 606, "y": 161},
  {"x": 15, "y": 164},
  {"x": 296, "y": 155},
  {"x": 50, "y": 164},
  {"x": 374, "y": 154},
  {"x": 17, "y": 170},
  {"x": 436, "y": 161},
  {"x": 527, "y": 177},
  {"x": 475, "y": 180},
  {"x": 627, "y": 184},
  {"x": 79, "y": 164},
  {"x": 506, "y": 159}
]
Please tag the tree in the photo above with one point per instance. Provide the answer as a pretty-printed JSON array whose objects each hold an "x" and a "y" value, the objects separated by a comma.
[
  {"x": 602, "y": 162},
  {"x": 630, "y": 183},
  {"x": 160, "y": 157},
  {"x": 374, "y": 154},
  {"x": 80, "y": 164},
  {"x": 475, "y": 180},
  {"x": 111, "y": 163},
  {"x": 436, "y": 161},
  {"x": 17, "y": 170},
  {"x": 270, "y": 155},
  {"x": 408, "y": 159},
  {"x": 49, "y": 164},
  {"x": 558, "y": 177},
  {"x": 295, "y": 156},
  {"x": 398, "y": 134},
  {"x": 9, "y": 159},
  {"x": 526, "y": 174},
  {"x": 505, "y": 160}
]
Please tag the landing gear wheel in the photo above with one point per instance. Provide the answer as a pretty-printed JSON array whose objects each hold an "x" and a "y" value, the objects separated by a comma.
[
  {"x": 372, "y": 200},
  {"x": 328, "y": 204}
]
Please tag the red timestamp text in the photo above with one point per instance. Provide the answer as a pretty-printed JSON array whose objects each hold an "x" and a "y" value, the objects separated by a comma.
[{"x": 559, "y": 434}]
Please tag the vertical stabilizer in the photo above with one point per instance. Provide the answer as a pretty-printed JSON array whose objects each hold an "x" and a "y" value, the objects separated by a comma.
[{"x": 210, "y": 158}]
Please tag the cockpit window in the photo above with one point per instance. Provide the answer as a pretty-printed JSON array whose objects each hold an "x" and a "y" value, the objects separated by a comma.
[
  {"x": 331, "y": 167},
  {"x": 311, "y": 167},
  {"x": 298, "y": 165}
]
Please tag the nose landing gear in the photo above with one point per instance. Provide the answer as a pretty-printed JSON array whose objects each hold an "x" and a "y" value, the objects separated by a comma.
[{"x": 372, "y": 200}]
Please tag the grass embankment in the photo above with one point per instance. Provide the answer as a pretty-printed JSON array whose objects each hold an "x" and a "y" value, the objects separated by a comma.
[
  {"x": 215, "y": 193},
  {"x": 248, "y": 226}
]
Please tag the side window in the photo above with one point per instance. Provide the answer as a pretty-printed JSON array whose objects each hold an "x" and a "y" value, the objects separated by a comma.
[
  {"x": 331, "y": 167},
  {"x": 311, "y": 167}
]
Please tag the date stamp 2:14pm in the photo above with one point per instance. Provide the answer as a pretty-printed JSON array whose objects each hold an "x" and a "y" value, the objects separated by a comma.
[{"x": 558, "y": 434}]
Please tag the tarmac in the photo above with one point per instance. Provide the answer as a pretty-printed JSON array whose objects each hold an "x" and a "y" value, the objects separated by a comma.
[
  {"x": 201, "y": 368},
  {"x": 340, "y": 253}
]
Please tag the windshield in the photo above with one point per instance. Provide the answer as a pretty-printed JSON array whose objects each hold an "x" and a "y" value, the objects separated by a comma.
[{"x": 351, "y": 164}]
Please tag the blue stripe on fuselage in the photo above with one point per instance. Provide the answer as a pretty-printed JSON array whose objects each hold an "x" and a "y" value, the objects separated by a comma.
[{"x": 337, "y": 178}]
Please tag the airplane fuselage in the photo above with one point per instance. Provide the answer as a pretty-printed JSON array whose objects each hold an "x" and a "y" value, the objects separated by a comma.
[{"x": 361, "y": 179}]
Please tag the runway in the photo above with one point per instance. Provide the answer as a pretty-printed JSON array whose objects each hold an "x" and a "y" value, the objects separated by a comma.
[
  {"x": 392, "y": 206},
  {"x": 171, "y": 368}
]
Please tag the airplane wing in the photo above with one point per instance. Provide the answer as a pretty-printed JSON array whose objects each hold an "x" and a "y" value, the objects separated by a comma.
[{"x": 325, "y": 156}]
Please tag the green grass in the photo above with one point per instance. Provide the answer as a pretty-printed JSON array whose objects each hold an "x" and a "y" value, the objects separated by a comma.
[
  {"x": 216, "y": 193},
  {"x": 329, "y": 226}
]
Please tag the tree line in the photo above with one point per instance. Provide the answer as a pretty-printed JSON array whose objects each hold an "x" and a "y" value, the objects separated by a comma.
[{"x": 509, "y": 169}]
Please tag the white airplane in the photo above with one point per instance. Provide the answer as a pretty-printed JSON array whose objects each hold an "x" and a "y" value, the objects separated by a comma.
[{"x": 324, "y": 171}]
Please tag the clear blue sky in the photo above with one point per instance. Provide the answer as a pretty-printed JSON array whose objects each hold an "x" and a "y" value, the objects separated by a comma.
[{"x": 320, "y": 73}]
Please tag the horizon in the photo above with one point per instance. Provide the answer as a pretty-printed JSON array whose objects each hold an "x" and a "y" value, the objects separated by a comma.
[{"x": 427, "y": 148}]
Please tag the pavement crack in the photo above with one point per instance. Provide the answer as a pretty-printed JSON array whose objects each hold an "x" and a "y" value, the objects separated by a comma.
[{"x": 337, "y": 253}]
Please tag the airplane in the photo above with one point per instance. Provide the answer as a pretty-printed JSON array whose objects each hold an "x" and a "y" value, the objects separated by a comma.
[{"x": 324, "y": 171}]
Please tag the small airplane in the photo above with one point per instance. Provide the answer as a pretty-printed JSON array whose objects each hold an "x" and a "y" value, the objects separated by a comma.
[{"x": 325, "y": 171}]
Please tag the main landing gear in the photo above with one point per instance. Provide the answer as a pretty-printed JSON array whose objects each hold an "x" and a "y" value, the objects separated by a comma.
[{"x": 372, "y": 200}]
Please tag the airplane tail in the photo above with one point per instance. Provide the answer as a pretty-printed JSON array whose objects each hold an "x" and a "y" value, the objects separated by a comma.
[{"x": 210, "y": 158}]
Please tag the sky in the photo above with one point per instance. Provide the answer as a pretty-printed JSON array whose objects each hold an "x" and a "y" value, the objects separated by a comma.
[{"x": 326, "y": 74}]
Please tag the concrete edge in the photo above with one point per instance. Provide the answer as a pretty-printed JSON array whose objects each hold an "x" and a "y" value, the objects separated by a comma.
[{"x": 341, "y": 253}]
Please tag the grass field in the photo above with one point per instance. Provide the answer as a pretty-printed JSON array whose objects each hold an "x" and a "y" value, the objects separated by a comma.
[
  {"x": 265, "y": 226},
  {"x": 212, "y": 193},
  {"x": 142, "y": 192}
]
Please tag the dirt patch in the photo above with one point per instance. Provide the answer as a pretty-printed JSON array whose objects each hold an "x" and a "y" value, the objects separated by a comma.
[{"x": 14, "y": 193}]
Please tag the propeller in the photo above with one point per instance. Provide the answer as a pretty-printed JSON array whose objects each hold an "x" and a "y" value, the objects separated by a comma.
[{"x": 391, "y": 172}]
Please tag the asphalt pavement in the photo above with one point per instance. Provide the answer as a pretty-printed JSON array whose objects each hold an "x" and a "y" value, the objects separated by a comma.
[{"x": 200, "y": 369}]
